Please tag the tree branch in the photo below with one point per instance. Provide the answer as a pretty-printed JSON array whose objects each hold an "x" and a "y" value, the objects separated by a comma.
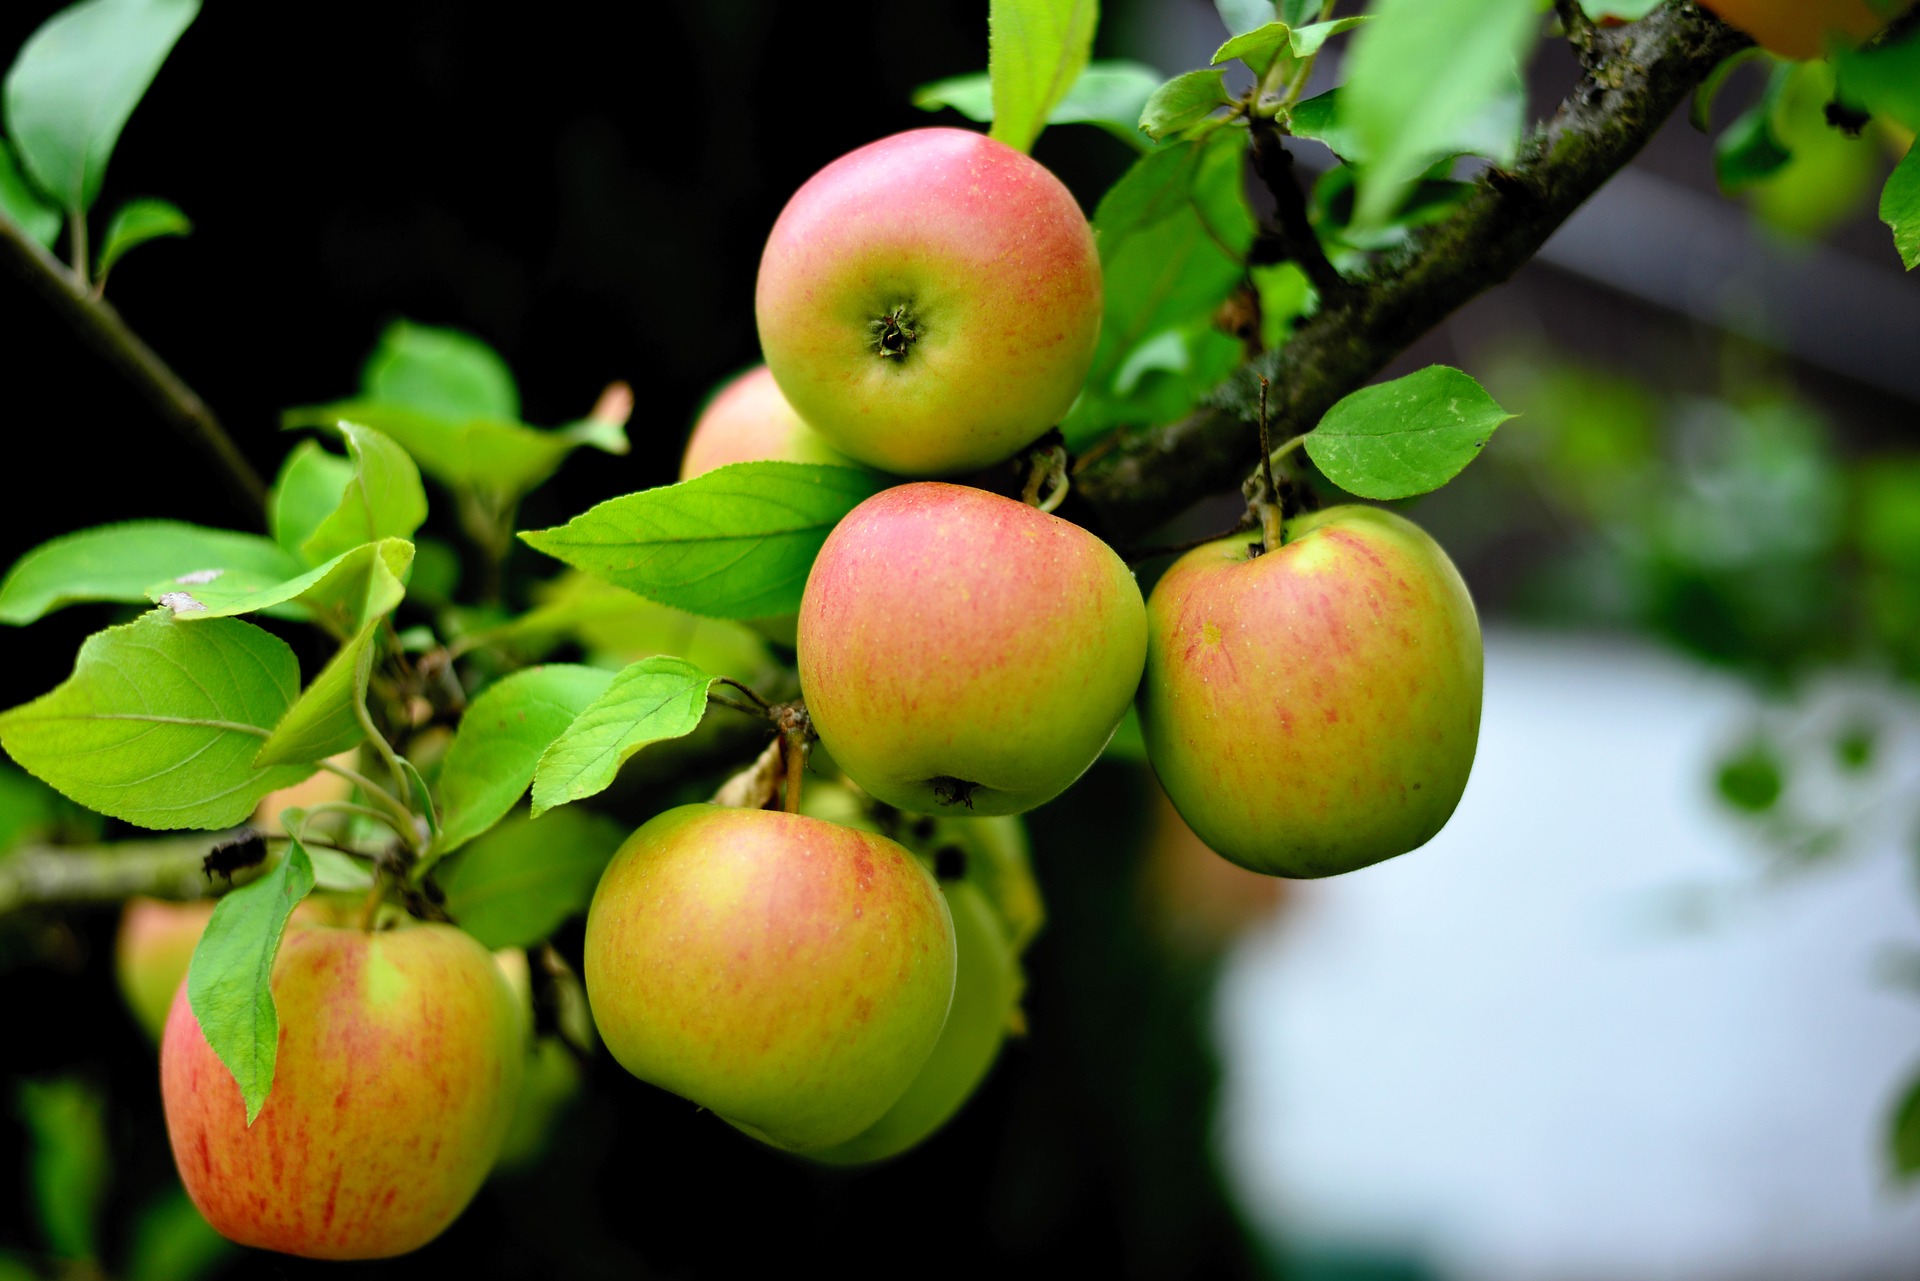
[
  {"x": 1290, "y": 236},
  {"x": 67, "y": 875},
  {"x": 96, "y": 321},
  {"x": 1635, "y": 76}
]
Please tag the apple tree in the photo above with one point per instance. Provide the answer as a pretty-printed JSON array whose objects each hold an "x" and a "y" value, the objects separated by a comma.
[{"x": 893, "y": 602}]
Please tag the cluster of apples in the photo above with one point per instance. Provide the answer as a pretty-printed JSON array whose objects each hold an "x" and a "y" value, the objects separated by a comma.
[{"x": 928, "y": 305}]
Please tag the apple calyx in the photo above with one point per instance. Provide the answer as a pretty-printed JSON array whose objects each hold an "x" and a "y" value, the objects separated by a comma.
[{"x": 895, "y": 331}]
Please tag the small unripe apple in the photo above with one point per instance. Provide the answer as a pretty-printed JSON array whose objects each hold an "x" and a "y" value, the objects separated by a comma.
[
  {"x": 1315, "y": 709},
  {"x": 1800, "y": 28},
  {"x": 929, "y": 303},
  {"x": 749, "y": 421},
  {"x": 789, "y": 974},
  {"x": 963, "y": 653},
  {"x": 986, "y": 998},
  {"x": 400, "y": 1058}
]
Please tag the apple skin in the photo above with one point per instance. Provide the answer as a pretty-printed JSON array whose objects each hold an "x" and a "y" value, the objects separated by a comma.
[
  {"x": 963, "y": 653},
  {"x": 399, "y": 1066},
  {"x": 151, "y": 953},
  {"x": 749, "y": 421},
  {"x": 986, "y": 998},
  {"x": 1314, "y": 710},
  {"x": 1799, "y": 28},
  {"x": 789, "y": 974},
  {"x": 993, "y": 267}
]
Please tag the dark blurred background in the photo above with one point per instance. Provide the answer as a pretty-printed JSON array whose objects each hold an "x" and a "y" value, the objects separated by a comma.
[{"x": 588, "y": 192}]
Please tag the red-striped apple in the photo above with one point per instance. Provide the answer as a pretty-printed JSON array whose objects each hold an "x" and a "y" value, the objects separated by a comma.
[
  {"x": 961, "y": 652},
  {"x": 929, "y": 303},
  {"x": 1314, "y": 709}
]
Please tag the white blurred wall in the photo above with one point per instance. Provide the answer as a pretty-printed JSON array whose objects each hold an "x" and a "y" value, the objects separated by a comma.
[{"x": 1583, "y": 1034}]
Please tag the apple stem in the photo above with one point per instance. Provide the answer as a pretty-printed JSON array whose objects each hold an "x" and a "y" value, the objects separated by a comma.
[
  {"x": 796, "y": 737},
  {"x": 1048, "y": 471},
  {"x": 1266, "y": 504},
  {"x": 370, "y": 909}
]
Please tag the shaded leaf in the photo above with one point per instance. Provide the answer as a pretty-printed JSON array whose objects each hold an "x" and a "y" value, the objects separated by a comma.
[
  {"x": 324, "y": 721},
  {"x": 135, "y": 223},
  {"x": 492, "y": 759},
  {"x": 160, "y": 721},
  {"x": 1903, "y": 1135},
  {"x": 1305, "y": 41},
  {"x": 32, "y": 213},
  {"x": 1405, "y": 437},
  {"x": 309, "y": 488},
  {"x": 1183, "y": 101},
  {"x": 229, "y": 980},
  {"x": 119, "y": 562},
  {"x": 171, "y": 1242},
  {"x": 653, "y": 700},
  {"x": 439, "y": 372},
  {"x": 1036, "y": 50},
  {"x": 1256, "y": 48},
  {"x": 1900, "y": 207},
  {"x": 515, "y": 885},
  {"x": 1749, "y": 149},
  {"x": 736, "y": 542},
  {"x": 1108, "y": 94},
  {"x": 383, "y": 499},
  {"x": 1751, "y": 779},
  {"x": 75, "y": 82},
  {"x": 68, "y": 1164},
  {"x": 1883, "y": 80},
  {"x": 1241, "y": 16}
]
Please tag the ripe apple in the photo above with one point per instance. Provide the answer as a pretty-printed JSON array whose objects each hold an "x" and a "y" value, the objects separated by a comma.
[
  {"x": 789, "y": 974},
  {"x": 399, "y": 1064},
  {"x": 1314, "y": 710},
  {"x": 151, "y": 953},
  {"x": 749, "y": 421},
  {"x": 960, "y": 652},
  {"x": 1800, "y": 28},
  {"x": 929, "y": 303},
  {"x": 986, "y": 996}
]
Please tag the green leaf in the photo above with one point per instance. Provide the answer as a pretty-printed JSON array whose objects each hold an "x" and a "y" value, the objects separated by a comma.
[
  {"x": 382, "y": 500},
  {"x": 492, "y": 759},
  {"x": 310, "y": 487},
  {"x": 1619, "y": 10},
  {"x": 500, "y": 459},
  {"x": 1108, "y": 94},
  {"x": 1407, "y": 436},
  {"x": 612, "y": 623},
  {"x": 171, "y": 1242},
  {"x": 76, "y": 81},
  {"x": 160, "y": 721},
  {"x": 653, "y": 700},
  {"x": 28, "y": 807},
  {"x": 1036, "y": 50},
  {"x": 229, "y": 980},
  {"x": 69, "y": 1164},
  {"x": 1183, "y": 101},
  {"x": 1305, "y": 41},
  {"x": 1883, "y": 80},
  {"x": 325, "y": 720},
  {"x": 1900, "y": 207},
  {"x": 1903, "y": 1135},
  {"x": 1700, "y": 112},
  {"x": 1241, "y": 16},
  {"x": 736, "y": 542},
  {"x": 1319, "y": 118},
  {"x": 342, "y": 873},
  {"x": 1156, "y": 187},
  {"x": 135, "y": 223},
  {"x": 515, "y": 885},
  {"x": 342, "y": 595},
  {"x": 1408, "y": 104},
  {"x": 1751, "y": 779},
  {"x": 1256, "y": 48},
  {"x": 442, "y": 373},
  {"x": 39, "y": 218},
  {"x": 421, "y": 797},
  {"x": 119, "y": 562},
  {"x": 1748, "y": 149}
]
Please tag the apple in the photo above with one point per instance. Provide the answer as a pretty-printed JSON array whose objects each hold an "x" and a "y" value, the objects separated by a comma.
[
  {"x": 1801, "y": 28},
  {"x": 399, "y": 1065},
  {"x": 749, "y": 421},
  {"x": 960, "y": 652},
  {"x": 986, "y": 999},
  {"x": 929, "y": 303},
  {"x": 551, "y": 1080},
  {"x": 151, "y": 952},
  {"x": 1315, "y": 709},
  {"x": 791, "y": 975}
]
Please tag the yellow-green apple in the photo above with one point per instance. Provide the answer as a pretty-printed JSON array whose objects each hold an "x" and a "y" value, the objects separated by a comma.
[
  {"x": 791, "y": 975},
  {"x": 399, "y": 1064},
  {"x": 929, "y": 303},
  {"x": 1315, "y": 709},
  {"x": 986, "y": 998},
  {"x": 151, "y": 953},
  {"x": 749, "y": 421},
  {"x": 963, "y": 652}
]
